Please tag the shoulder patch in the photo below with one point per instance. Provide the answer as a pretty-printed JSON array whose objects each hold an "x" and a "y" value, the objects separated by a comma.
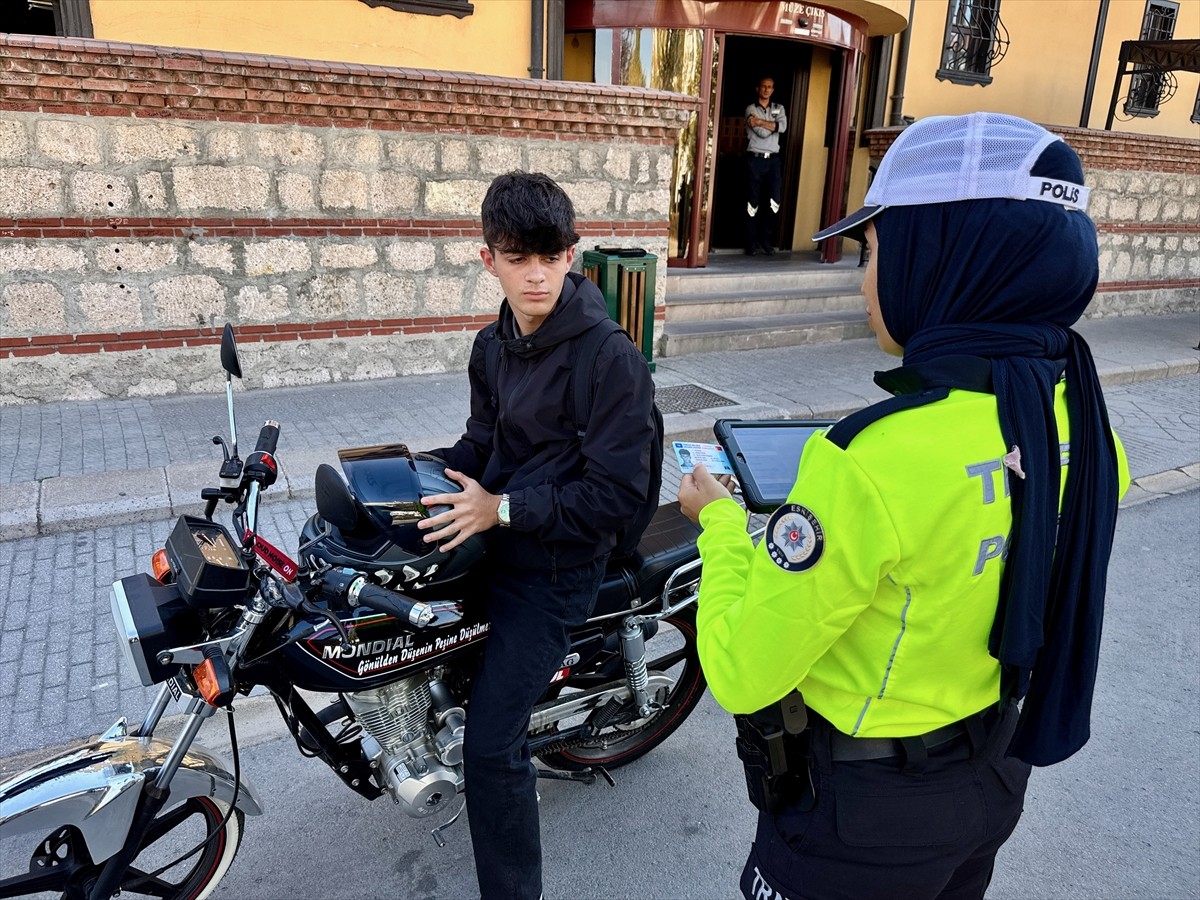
[{"x": 795, "y": 538}]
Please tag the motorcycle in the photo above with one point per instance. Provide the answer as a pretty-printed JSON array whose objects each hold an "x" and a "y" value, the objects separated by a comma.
[{"x": 368, "y": 615}]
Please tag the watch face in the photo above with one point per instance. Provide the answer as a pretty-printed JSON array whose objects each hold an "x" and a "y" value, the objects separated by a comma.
[{"x": 502, "y": 511}]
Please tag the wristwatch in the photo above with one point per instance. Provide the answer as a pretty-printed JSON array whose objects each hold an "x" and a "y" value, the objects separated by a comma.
[{"x": 502, "y": 511}]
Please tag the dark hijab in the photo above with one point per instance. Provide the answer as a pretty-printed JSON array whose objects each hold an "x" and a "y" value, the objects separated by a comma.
[{"x": 1004, "y": 280}]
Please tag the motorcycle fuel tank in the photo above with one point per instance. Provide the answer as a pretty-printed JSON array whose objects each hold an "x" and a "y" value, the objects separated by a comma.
[{"x": 382, "y": 649}]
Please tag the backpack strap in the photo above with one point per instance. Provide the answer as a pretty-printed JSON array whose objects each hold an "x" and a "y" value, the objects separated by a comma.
[
  {"x": 848, "y": 428},
  {"x": 491, "y": 367},
  {"x": 585, "y": 361}
]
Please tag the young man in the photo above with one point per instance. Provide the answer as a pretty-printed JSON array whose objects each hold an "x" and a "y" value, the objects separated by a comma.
[
  {"x": 765, "y": 121},
  {"x": 550, "y": 502}
]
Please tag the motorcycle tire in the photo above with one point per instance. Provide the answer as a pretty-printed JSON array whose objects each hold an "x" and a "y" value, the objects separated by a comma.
[
  {"x": 194, "y": 878},
  {"x": 672, "y": 650}
]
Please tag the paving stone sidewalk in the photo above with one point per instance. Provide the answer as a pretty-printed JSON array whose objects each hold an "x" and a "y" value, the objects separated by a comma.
[{"x": 80, "y": 464}]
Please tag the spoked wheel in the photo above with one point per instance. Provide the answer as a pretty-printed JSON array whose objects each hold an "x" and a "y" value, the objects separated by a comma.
[
  {"x": 671, "y": 652},
  {"x": 61, "y": 863}
]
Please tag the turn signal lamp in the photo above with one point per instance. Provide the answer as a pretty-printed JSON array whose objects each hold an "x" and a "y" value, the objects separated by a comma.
[
  {"x": 160, "y": 567},
  {"x": 214, "y": 681}
]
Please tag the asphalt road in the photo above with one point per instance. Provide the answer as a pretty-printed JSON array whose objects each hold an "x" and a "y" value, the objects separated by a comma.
[{"x": 1120, "y": 820}]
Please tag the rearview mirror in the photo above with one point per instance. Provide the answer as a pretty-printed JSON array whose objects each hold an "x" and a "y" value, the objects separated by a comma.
[{"x": 229, "y": 357}]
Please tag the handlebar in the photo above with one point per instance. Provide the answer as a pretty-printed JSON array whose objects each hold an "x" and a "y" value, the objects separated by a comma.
[
  {"x": 348, "y": 585},
  {"x": 383, "y": 600}
]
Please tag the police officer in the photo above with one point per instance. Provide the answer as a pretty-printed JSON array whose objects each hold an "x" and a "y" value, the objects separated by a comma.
[{"x": 918, "y": 582}]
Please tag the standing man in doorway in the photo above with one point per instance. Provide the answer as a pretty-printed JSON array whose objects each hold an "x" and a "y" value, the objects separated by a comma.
[{"x": 765, "y": 122}]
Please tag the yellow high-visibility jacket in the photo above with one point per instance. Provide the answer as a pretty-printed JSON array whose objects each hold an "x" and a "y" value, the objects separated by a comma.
[{"x": 874, "y": 588}]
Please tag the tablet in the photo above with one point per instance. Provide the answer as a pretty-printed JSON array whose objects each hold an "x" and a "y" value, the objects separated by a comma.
[{"x": 765, "y": 455}]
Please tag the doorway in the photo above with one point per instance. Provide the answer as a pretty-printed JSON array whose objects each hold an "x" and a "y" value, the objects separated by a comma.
[{"x": 744, "y": 61}]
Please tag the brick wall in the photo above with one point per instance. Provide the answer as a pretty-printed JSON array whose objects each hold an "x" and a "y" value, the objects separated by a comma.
[
  {"x": 329, "y": 211},
  {"x": 1145, "y": 201}
]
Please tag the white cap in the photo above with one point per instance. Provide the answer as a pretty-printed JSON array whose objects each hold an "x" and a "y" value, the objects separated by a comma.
[{"x": 944, "y": 159}]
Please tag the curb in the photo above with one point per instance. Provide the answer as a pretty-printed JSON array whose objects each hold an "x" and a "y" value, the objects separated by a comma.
[
  {"x": 71, "y": 503},
  {"x": 1162, "y": 484}
]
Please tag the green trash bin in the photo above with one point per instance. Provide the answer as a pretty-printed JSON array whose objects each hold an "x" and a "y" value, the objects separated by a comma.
[{"x": 625, "y": 277}]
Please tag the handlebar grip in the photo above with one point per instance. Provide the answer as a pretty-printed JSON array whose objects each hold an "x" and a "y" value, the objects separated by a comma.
[
  {"x": 381, "y": 599},
  {"x": 268, "y": 437},
  {"x": 260, "y": 465}
]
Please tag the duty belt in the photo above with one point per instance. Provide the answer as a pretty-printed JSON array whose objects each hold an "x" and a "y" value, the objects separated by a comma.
[{"x": 844, "y": 748}]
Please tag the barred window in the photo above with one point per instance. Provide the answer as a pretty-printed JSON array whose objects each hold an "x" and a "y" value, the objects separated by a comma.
[
  {"x": 878, "y": 69},
  {"x": 1150, "y": 85},
  {"x": 975, "y": 41},
  {"x": 64, "y": 18}
]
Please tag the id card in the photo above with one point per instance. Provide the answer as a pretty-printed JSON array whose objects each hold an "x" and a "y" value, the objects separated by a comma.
[{"x": 711, "y": 456}]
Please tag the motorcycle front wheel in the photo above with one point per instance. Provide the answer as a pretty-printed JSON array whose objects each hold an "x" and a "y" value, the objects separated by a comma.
[
  {"x": 62, "y": 865},
  {"x": 672, "y": 652}
]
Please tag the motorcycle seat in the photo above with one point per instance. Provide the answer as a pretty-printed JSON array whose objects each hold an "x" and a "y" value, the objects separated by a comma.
[{"x": 668, "y": 542}]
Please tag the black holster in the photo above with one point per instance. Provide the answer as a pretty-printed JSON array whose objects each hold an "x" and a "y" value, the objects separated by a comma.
[{"x": 772, "y": 745}]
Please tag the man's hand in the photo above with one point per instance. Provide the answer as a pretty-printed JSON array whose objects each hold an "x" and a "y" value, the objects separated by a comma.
[
  {"x": 762, "y": 123},
  {"x": 472, "y": 511},
  {"x": 698, "y": 489}
]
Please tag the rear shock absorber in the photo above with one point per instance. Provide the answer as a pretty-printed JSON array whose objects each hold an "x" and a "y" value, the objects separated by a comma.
[{"x": 633, "y": 652}]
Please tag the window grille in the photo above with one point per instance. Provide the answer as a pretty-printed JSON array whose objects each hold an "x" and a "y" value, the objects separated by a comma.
[
  {"x": 975, "y": 41},
  {"x": 1150, "y": 86},
  {"x": 64, "y": 18}
]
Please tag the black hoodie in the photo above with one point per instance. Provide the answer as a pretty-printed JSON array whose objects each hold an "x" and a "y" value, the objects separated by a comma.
[{"x": 567, "y": 498}]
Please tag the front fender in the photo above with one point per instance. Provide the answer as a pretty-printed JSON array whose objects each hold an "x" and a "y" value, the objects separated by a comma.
[{"x": 95, "y": 787}]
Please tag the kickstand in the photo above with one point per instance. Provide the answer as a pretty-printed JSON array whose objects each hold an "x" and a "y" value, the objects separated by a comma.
[{"x": 584, "y": 776}]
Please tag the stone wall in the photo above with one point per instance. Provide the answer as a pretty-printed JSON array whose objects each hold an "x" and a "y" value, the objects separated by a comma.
[
  {"x": 1145, "y": 201},
  {"x": 328, "y": 211}
]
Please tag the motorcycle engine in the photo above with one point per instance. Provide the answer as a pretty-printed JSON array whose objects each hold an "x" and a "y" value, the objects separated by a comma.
[{"x": 418, "y": 727}]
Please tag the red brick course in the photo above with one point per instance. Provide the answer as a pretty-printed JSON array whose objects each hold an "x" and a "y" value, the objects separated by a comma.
[
  {"x": 1149, "y": 228},
  {"x": 1169, "y": 285},
  {"x": 99, "y": 78},
  {"x": 247, "y": 334},
  {"x": 1102, "y": 151},
  {"x": 55, "y": 227}
]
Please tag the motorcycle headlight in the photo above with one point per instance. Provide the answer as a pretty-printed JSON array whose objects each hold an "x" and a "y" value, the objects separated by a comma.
[{"x": 150, "y": 618}]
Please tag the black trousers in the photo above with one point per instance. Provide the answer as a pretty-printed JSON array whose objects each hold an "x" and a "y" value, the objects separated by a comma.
[
  {"x": 531, "y": 618},
  {"x": 876, "y": 831},
  {"x": 764, "y": 185}
]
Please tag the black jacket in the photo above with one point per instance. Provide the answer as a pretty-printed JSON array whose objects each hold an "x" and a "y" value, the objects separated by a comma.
[{"x": 567, "y": 498}]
